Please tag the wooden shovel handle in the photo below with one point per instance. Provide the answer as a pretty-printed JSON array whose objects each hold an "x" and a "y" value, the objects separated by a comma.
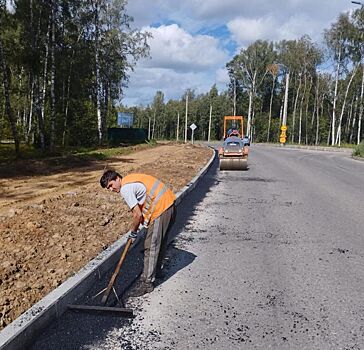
[{"x": 116, "y": 272}]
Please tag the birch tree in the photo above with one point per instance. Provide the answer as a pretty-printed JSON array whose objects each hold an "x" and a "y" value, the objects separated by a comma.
[
  {"x": 273, "y": 69},
  {"x": 249, "y": 68},
  {"x": 337, "y": 39}
]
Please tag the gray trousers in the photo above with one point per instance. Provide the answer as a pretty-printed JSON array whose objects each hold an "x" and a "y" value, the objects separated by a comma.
[{"x": 156, "y": 242}]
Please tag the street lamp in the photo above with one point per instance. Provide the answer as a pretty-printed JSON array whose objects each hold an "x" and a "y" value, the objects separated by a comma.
[{"x": 358, "y": 3}]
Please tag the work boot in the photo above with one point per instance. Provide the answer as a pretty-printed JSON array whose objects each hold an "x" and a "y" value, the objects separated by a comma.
[{"x": 141, "y": 287}]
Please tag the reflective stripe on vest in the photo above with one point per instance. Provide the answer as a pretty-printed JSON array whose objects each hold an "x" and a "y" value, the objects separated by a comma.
[
  {"x": 150, "y": 205},
  {"x": 148, "y": 208}
]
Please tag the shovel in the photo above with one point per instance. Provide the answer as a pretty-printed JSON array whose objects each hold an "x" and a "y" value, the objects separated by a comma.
[{"x": 124, "y": 312}]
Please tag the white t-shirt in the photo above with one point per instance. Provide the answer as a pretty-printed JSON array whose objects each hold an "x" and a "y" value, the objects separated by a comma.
[{"x": 133, "y": 193}]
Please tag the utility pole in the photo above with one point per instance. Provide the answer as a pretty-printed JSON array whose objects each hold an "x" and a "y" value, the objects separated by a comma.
[
  {"x": 284, "y": 120},
  {"x": 186, "y": 116},
  {"x": 283, "y": 136},
  {"x": 234, "y": 96},
  {"x": 209, "y": 133},
  {"x": 149, "y": 129},
  {"x": 177, "y": 131}
]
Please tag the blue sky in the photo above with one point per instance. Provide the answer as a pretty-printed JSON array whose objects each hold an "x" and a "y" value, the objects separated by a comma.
[{"x": 193, "y": 40}]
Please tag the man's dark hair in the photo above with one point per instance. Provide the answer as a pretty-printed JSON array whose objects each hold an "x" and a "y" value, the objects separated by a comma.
[{"x": 107, "y": 176}]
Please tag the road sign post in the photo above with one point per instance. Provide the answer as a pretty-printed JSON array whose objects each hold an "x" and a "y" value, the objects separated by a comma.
[{"x": 193, "y": 127}]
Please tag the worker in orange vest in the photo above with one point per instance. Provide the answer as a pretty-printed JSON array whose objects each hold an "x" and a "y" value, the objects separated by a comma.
[{"x": 152, "y": 205}]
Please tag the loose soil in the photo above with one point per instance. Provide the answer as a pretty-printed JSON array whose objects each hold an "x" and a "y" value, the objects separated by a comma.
[{"x": 54, "y": 219}]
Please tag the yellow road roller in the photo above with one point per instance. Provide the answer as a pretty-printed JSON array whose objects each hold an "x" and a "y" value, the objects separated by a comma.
[{"x": 233, "y": 154}]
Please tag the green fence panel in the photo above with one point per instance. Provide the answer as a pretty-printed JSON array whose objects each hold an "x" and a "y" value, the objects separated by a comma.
[{"x": 117, "y": 136}]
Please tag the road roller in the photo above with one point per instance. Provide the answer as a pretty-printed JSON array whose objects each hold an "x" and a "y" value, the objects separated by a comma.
[{"x": 233, "y": 154}]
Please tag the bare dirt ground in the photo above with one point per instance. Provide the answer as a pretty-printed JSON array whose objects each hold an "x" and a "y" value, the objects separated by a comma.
[{"x": 54, "y": 219}]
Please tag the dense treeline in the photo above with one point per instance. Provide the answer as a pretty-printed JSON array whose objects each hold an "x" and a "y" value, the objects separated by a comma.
[
  {"x": 64, "y": 65},
  {"x": 325, "y": 94}
]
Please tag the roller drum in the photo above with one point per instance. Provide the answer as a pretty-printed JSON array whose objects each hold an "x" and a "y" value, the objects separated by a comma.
[{"x": 233, "y": 164}]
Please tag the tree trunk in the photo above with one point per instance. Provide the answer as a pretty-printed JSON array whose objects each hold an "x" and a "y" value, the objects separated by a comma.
[
  {"x": 329, "y": 133},
  {"x": 41, "y": 115},
  {"x": 295, "y": 107},
  {"x": 318, "y": 119},
  {"x": 354, "y": 120},
  {"x": 8, "y": 109},
  {"x": 32, "y": 83},
  {"x": 66, "y": 107},
  {"x": 30, "y": 120},
  {"x": 68, "y": 92},
  {"x": 335, "y": 99},
  {"x": 270, "y": 107},
  {"x": 177, "y": 130},
  {"x": 361, "y": 107},
  {"x": 97, "y": 73},
  {"x": 306, "y": 111},
  {"x": 210, "y": 117},
  {"x": 301, "y": 107},
  {"x": 348, "y": 122},
  {"x": 317, "y": 100},
  {"x": 53, "y": 77},
  {"x": 153, "y": 127},
  {"x": 149, "y": 121},
  {"x": 300, "y": 123},
  {"x": 251, "y": 96},
  {"x": 106, "y": 107},
  {"x": 338, "y": 134},
  {"x": 22, "y": 119},
  {"x": 186, "y": 116}
]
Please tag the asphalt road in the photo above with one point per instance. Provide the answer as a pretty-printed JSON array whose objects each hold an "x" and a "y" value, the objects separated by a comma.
[{"x": 269, "y": 258}]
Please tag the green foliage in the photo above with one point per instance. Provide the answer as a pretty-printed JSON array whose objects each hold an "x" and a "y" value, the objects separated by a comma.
[
  {"x": 359, "y": 150},
  {"x": 52, "y": 51},
  {"x": 7, "y": 152}
]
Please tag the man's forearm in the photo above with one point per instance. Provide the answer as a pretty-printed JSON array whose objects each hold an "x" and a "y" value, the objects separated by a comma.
[
  {"x": 137, "y": 218},
  {"x": 135, "y": 224}
]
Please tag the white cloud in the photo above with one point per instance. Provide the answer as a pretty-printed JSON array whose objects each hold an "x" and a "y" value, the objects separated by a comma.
[
  {"x": 245, "y": 30},
  {"x": 174, "y": 48},
  {"x": 180, "y": 61},
  {"x": 222, "y": 77}
]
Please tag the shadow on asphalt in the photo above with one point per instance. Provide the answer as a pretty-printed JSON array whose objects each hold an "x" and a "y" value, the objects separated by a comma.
[
  {"x": 177, "y": 260},
  {"x": 75, "y": 330}
]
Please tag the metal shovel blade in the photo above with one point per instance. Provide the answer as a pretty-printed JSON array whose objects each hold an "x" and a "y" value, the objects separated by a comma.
[{"x": 111, "y": 311}]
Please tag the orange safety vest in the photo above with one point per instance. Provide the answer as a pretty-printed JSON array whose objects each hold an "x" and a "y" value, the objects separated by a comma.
[{"x": 158, "y": 198}]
